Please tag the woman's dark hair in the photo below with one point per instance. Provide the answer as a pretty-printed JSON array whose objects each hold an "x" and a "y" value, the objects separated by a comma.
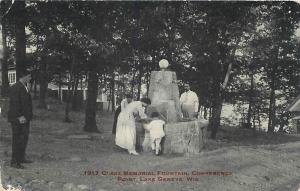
[{"x": 146, "y": 101}]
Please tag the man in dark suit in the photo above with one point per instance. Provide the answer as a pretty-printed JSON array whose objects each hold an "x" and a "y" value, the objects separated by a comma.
[{"x": 20, "y": 115}]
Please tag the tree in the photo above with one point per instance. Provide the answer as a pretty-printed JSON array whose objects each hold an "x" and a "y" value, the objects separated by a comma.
[
  {"x": 20, "y": 19},
  {"x": 4, "y": 65}
]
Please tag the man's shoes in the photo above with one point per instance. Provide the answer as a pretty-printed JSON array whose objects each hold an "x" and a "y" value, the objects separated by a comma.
[
  {"x": 17, "y": 165},
  {"x": 26, "y": 161}
]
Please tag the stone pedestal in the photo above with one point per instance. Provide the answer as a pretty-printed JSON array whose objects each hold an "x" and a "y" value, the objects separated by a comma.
[
  {"x": 166, "y": 109},
  {"x": 164, "y": 95},
  {"x": 181, "y": 137},
  {"x": 185, "y": 137}
]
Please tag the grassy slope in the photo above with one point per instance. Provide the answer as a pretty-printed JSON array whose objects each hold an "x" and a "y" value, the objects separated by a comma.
[{"x": 258, "y": 161}]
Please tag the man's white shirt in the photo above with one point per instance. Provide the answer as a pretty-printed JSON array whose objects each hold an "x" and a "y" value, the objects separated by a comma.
[{"x": 190, "y": 98}]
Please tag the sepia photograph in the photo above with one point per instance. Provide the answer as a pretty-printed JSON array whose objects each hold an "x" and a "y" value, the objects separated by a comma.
[{"x": 149, "y": 95}]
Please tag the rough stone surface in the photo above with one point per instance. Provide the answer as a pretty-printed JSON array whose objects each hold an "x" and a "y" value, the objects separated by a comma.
[
  {"x": 184, "y": 137},
  {"x": 164, "y": 95},
  {"x": 181, "y": 137}
]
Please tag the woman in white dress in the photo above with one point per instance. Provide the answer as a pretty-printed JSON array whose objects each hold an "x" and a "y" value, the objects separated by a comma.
[{"x": 126, "y": 129}]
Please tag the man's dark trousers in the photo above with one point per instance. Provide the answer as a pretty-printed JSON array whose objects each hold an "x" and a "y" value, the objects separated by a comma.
[
  {"x": 20, "y": 134},
  {"x": 20, "y": 105}
]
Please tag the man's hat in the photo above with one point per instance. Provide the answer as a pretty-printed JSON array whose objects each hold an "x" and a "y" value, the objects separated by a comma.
[{"x": 25, "y": 72}]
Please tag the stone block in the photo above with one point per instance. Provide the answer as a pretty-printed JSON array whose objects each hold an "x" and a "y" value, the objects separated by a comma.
[
  {"x": 181, "y": 137},
  {"x": 167, "y": 111},
  {"x": 164, "y": 95},
  {"x": 185, "y": 137}
]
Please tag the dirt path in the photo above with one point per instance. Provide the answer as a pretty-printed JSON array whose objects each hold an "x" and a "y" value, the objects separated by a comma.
[{"x": 65, "y": 163}]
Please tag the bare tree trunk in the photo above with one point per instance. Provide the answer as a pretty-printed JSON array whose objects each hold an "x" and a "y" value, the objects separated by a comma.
[
  {"x": 258, "y": 118},
  {"x": 272, "y": 108},
  {"x": 272, "y": 103},
  {"x": 4, "y": 66},
  {"x": 35, "y": 90},
  {"x": 204, "y": 112},
  {"x": 59, "y": 87},
  {"x": 216, "y": 109},
  {"x": 69, "y": 96},
  {"x": 91, "y": 106},
  {"x": 139, "y": 84},
  {"x": 43, "y": 84},
  {"x": 132, "y": 83},
  {"x": 20, "y": 19},
  {"x": 210, "y": 112},
  {"x": 75, "y": 94},
  {"x": 249, "y": 116},
  {"x": 92, "y": 92},
  {"x": 113, "y": 91},
  {"x": 70, "y": 86},
  {"x": 253, "y": 122}
]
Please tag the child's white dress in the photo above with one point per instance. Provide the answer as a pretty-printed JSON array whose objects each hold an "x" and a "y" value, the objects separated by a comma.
[{"x": 156, "y": 129}]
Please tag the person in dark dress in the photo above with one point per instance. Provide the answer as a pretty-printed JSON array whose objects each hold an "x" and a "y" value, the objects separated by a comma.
[
  {"x": 124, "y": 103},
  {"x": 20, "y": 115}
]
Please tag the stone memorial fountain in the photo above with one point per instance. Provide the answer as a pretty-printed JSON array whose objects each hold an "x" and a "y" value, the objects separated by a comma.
[{"x": 182, "y": 135}]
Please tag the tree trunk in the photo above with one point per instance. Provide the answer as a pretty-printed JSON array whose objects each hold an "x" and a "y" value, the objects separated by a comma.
[
  {"x": 216, "y": 109},
  {"x": 113, "y": 91},
  {"x": 253, "y": 123},
  {"x": 35, "y": 81},
  {"x": 75, "y": 94},
  {"x": 205, "y": 113},
  {"x": 43, "y": 85},
  {"x": 59, "y": 88},
  {"x": 69, "y": 96},
  {"x": 210, "y": 112},
  {"x": 4, "y": 66},
  {"x": 272, "y": 108},
  {"x": 91, "y": 106},
  {"x": 272, "y": 103},
  {"x": 35, "y": 90},
  {"x": 109, "y": 102},
  {"x": 249, "y": 115},
  {"x": 258, "y": 118},
  {"x": 70, "y": 85},
  {"x": 139, "y": 84},
  {"x": 132, "y": 84},
  {"x": 20, "y": 15}
]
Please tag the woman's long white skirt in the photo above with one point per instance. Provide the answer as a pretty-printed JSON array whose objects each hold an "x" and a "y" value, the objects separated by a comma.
[{"x": 126, "y": 131}]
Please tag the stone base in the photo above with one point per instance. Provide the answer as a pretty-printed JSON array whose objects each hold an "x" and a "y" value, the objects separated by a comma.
[{"x": 182, "y": 137}]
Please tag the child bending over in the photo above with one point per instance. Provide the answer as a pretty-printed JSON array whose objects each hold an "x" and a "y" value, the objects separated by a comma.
[{"x": 156, "y": 129}]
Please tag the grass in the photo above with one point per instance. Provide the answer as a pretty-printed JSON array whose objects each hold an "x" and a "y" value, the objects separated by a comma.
[{"x": 51, "y": 150}]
